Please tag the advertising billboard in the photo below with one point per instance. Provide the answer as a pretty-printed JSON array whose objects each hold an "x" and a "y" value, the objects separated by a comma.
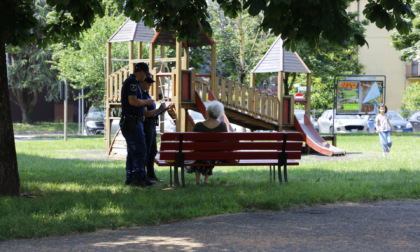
[{"x": 359, "y": 95}]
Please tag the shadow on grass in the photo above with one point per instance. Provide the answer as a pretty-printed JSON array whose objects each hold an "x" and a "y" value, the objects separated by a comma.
[{"x": 72, "y": 195}]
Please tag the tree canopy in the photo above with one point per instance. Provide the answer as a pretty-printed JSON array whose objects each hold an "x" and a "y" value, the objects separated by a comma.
[
  {"x": 81, "y": 62},
  {"x": 30, "y": 72},
  {"x": 295, "y": 20},
  {"x": 409, "y": 44}
]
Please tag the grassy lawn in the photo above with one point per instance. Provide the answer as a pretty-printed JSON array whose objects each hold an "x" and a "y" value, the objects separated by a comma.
[
  {"x": 68, "y": 190},
  {"x": 44, "y": 127}
]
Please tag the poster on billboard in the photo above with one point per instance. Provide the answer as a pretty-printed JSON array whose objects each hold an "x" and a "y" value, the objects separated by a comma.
[{"x": 359, "y": 94}]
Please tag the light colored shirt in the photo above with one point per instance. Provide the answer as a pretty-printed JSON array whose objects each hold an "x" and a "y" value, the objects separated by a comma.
[{"x": 382, "y": 123}]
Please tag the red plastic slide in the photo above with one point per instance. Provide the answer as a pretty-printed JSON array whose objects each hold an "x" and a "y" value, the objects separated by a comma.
[{"x": 314, "y": 140}]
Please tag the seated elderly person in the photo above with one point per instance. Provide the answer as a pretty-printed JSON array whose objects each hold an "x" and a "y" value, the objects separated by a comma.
[{"x": 211, "y": 124}]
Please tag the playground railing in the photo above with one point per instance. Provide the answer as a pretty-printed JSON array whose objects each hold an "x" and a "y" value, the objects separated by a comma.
[
  {"x": 114, "y": 85},
  {"x": 240, "y": 97}
]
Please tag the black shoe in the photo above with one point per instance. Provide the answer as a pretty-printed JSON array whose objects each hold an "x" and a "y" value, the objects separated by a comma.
[
  {"x": 148, "y": 182},
  {"x": 155, "y": 179},
  {"x": 139, "y": 183},
  {"x": 128, "y": 182}
]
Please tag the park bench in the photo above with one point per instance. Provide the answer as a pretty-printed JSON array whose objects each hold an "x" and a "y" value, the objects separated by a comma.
[{"x": 180, "y": 149}]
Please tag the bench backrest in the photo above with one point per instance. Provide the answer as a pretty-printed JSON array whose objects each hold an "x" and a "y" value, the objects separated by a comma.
[{"x": 230, "y": 146}]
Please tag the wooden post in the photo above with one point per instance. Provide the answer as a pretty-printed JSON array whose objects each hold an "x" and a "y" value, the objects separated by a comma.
[
  {"x": 308, "y": 94},
  {"x": 107, "y": 97},
  {"x": 180, "y": 122},
  {"x": 65, "y": 109},
  {"x": 152, "y": 55},
  {"x": 130, "y": 56},
  {"x": 186, "y": 61},
  {"x": 154, "y": 92},
  {"x": 280, "y": 97},
  {"x": 162, "y": 51},
  {"x": 139, "y": 50},
  {"x": 193, "y": 81},
  {"x": 252, "y": 80},
  {"x": 213, "y": 67}
]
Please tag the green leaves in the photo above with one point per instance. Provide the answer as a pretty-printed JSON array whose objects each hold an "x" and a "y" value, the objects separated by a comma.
[
  {"x": 390, "y": 14},
  {"x": 407, "y": 40},
  {"x": 411, "y": 98},
  {"x": 255, "y": 6}
]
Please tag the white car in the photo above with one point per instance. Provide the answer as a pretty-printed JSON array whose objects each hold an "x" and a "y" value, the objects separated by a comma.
[{"x": 341, "y": 123}]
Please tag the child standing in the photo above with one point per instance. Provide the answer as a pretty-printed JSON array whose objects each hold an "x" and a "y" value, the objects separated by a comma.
[{"x": 384, "y": 127}]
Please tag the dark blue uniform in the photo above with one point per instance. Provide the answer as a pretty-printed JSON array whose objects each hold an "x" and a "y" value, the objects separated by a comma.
[
  {"x": 136, "y": 144},
  {"x": 150, "y": 136}
]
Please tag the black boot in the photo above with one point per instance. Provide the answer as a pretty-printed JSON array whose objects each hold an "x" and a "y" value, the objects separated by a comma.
[
  {"x": 139, "y": 183},
  {"x": 155, "y": 178},
  {"x": 148, "y": 182}
]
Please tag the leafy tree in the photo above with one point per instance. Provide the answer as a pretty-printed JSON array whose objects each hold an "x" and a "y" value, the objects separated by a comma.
[
  {"x": 17, "y": 25},
  {"x": 81, "y": 62},
  {"x": 409, "y": 44},
  {"x": 327, "y": 60},
  {"x": 411, "y": 98},
  {"x": 241, "y": 42},
  {"x": 296, "y": 20},
  {"x": 30, "y": 73}
]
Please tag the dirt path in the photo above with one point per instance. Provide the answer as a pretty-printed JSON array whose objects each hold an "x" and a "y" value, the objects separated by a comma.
[{"x": 381, "y": 226}]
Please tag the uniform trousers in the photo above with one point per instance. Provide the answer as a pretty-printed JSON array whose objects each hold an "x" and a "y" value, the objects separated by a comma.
[
  {"x": 150, "y": 136},
  {"x": 136, "y": 153}
]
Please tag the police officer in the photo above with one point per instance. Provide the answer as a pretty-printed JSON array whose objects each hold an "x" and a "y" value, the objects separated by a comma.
[
  {"x": 150, "y": 128},
  {"x": 131, "y": 123}
]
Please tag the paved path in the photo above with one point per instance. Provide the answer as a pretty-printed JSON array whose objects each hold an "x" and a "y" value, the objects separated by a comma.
[{"x": 382, "y": 226}]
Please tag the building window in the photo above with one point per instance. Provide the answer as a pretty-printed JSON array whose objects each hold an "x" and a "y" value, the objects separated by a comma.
[{"x": 415, "y": 68}]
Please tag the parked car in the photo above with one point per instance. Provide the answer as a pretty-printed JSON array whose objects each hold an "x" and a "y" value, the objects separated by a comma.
[
  {"x": 299, "y": 115},
  {"x": 342, "y": 123},
  {"x": 95, "y": 121},
  {"x": 414, "y": 119},
  {"x": 397, "y": 121}
]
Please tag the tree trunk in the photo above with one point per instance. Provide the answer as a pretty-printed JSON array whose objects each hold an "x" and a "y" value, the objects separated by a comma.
[
  {"x": 9, "y": 176},
  {"x": 241, "y": 41},
  {"x": 26, "y": 99}
]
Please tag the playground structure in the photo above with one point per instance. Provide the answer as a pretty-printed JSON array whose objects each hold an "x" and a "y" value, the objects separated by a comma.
[{"x": 187, "y": 90}]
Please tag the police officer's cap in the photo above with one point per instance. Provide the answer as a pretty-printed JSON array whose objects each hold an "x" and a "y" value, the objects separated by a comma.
[{"x": 142, "y": 67}]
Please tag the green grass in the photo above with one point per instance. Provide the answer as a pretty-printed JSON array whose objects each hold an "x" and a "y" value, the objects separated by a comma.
[
  {"x": 44, "y": 127},
  {"x": 67, "y": 194}
]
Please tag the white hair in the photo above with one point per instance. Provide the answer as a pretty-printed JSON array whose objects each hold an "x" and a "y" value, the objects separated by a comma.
[{"x": 215, "y": 109}]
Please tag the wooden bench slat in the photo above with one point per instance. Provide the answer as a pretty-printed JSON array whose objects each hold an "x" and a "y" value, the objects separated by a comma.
[
  {"x": 160, "y": 162},
  {"x": 224, "y": 146},
  {"x": 226, "y": 155},
  {"x": 225, "y": 136}
]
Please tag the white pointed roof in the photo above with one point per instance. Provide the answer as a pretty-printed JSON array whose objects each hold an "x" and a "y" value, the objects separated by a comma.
[
  {"x": 132, "y": 31},
  {"x": 277, "y": 59}
]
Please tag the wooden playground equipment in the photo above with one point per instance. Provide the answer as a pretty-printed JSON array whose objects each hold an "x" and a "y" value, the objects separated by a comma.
[{"x": 244, "y": 105}]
